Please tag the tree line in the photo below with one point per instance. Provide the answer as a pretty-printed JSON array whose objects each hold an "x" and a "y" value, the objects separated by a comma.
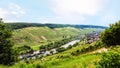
[{"x": 19, "y": 25}]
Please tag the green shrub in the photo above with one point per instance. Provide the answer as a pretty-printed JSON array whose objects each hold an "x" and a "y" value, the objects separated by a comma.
[
  {"x": 109, "y": 60},
  {"x": 111, "y": 36},
  {"x": 69, "y": 47},
  {"x": 60, "y": 49}
]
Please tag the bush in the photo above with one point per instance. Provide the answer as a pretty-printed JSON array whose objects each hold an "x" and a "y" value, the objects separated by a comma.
[
  {"x": 69, "y": 47},
  {"x": 39, "y": 66},
  {"x": 60, "y": 49},
  {"x": 110, "y": 59},
  {"x": 111, "y": 36}
]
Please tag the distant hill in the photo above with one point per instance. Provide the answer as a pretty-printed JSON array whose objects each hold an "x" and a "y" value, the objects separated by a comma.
[
  {"x": 36, "y": 36},
  {"x": 19, "y": 25},
  {"x": 39, "y": 35}
]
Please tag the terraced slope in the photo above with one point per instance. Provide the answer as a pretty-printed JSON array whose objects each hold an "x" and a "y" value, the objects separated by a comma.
[{"x": 36, "y": 36}]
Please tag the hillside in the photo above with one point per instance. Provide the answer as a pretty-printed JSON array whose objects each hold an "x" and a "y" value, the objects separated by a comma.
[{"x": 36, "y": 36}]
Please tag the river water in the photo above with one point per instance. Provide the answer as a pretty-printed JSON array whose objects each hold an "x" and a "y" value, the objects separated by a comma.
[{"x": 37, "y": 53}]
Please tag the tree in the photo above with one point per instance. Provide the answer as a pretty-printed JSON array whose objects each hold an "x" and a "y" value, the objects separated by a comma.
[
  {"x": 111, "y": 36},
  {"x": 69, "y": 47},
  {"x": 110, "y": 59},
  {"x": 52, "y": 52},
  {"x": 60, "y": 49},
  {"x": 7, "y": 54}
]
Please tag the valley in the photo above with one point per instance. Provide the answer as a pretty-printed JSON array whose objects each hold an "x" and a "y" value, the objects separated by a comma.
[
  {"x": 44, "y": 47},
  {"x": 31, "y": 38},
  {"x": 59, "y": 34}
]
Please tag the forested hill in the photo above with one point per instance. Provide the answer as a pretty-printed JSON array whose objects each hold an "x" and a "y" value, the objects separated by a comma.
[{"x": 19, "y": 25}]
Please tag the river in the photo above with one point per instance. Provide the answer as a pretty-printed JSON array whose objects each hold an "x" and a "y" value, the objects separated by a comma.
[{"x": 38, "y": 53}]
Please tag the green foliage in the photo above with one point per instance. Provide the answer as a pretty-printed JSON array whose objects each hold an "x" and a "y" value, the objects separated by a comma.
[
  {"x": 69, "y": 47},
  {"x": 24, "y": 49},
  {"x": 7, "y": 54},
  {"x": 110, "y": 59},
  {"x": 88, "y": 48},
  {"x": 60, "y": 49},
  {"x": 111, "y": 36},
  {"x": 56, "y": 44},
  {"x": 51, "y": 52}
]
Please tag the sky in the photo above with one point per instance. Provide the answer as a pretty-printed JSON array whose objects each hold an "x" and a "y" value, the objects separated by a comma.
[{"x": 86, "y": 12}]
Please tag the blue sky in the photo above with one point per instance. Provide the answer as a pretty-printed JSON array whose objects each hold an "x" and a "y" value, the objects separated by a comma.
[{"x": 92, "y": 12}]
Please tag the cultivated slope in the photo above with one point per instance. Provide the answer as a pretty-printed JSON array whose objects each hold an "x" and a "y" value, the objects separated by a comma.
[{"x": 36, "y": 36}]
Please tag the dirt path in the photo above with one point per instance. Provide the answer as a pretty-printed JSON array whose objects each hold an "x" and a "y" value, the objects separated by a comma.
[{"x": 101, "y": 50}]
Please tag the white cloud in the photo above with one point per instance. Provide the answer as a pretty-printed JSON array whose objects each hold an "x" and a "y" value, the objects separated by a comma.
[
  {"x": 3, "y": 13},
  {"x": 12, "y": 12},
  {"x": 16, "y": 9},
  {"x": 110, "y": 18},
  {"x": 44, "y": 22},
  {"x": 76, "y": 9},
  {"x": 11, "y": 20}
]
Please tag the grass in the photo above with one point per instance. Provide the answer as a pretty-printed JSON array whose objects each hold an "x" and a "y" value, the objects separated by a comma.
[{"x": 77, "y": 62}]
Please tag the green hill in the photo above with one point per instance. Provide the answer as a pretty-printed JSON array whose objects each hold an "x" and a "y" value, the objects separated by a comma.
[{"x": 36, "y": 36}]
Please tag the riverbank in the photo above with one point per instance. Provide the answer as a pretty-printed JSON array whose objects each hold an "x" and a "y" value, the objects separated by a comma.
[{"x": 39, "y": 53}]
